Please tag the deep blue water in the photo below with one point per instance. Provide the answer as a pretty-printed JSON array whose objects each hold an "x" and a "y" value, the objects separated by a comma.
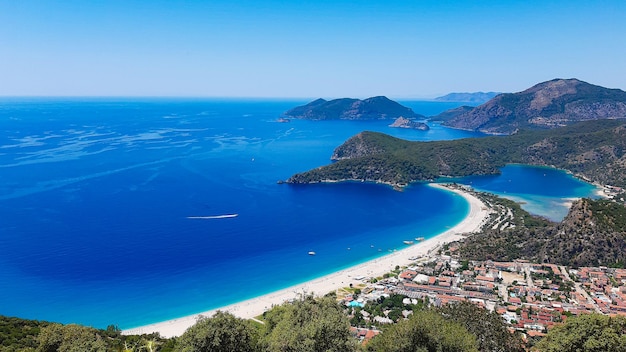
[{"x": 95, "y": 196}]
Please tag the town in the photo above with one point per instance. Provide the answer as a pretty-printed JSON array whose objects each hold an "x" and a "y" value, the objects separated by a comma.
[{"x": 531, "y": 298}]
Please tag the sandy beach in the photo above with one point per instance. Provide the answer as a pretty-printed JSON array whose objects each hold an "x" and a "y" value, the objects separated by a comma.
[{"x": 478, "y": 213}]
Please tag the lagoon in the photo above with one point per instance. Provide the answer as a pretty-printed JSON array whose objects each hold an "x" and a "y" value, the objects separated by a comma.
[{"x": 540, "y": 190}]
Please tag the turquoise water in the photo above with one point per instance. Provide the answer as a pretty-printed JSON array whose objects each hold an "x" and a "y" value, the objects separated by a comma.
[
  {"x": 96, "y": 197},
  {"x": 540, "y": 190}
]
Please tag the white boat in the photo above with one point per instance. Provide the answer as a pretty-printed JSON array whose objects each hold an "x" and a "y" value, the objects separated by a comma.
[
  {"x": 407, "y": 242},
  {"x": 312, "y": 253},
  {"x": 225, "y": 216}
]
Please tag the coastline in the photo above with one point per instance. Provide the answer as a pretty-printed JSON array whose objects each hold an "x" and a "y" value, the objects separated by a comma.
[{"x": 253, "y": 307}]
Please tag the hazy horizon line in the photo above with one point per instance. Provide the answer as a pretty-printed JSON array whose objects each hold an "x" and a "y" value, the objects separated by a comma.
[{"x": 215, "y": 97}]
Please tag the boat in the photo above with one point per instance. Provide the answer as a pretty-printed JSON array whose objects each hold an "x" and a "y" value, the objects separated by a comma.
[
  {"x": 419, "y": 239},
  {"x": 225, "y": 216},
  {"x": 312, "y": 253},
  {"x": 407, "y": 242}
]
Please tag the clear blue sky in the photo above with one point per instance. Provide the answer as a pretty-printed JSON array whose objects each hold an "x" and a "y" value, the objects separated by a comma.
[{"x": 339, "y": 48}]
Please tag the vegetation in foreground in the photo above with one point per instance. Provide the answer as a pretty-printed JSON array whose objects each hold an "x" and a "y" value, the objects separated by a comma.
[
  {"x": 321, "y": 324},
  {"x": 592, "y": 332},
  {"x": 31, "y": 335}
]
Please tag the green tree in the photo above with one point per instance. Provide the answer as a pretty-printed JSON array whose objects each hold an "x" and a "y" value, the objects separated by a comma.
[
  {"x": 425, "y": 331},
  {"x": 488, "y": 327},
  {"x": 357, "y": 318},
  {"x": 18, "y": 334},
  {"x": 394, "y": 314},
  {"x": 587, "y": 333},
  {"x": 308, "y": 324},
  {"x": 221, "y": 332},
  {"x": 70, "y": 338}
]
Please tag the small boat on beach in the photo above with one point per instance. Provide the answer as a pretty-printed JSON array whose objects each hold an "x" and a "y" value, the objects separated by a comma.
[{"x": 419, "y": 239}]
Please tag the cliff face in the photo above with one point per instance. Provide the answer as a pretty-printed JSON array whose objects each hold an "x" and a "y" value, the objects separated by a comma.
[
  {"x": 546, "y": 105},
  {"x": 351, "y": 109}
]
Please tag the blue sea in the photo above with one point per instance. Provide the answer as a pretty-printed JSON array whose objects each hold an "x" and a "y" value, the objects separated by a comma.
[{"x": 111, "y": 208}]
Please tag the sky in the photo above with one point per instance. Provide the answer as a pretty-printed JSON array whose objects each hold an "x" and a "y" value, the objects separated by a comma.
[{"x": 305, "y": 49}]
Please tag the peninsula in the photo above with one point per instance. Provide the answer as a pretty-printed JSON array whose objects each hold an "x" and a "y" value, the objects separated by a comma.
[{"x": 594, "y": 150}]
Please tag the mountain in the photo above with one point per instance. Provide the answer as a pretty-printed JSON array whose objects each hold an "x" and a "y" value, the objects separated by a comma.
[
  {"x": 550, "y": 104},
  {"x": 592, "y": 234},
  {"x": 475, "y": 98},
  {"x": 595, "y": 150},
  {"x": 374, "y": 108}
]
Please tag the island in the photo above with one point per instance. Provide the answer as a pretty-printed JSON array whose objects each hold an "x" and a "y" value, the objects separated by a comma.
[
  {"x": 375, "y": 108},
  {"x": 402, "y": 122},
  {"x": 550, "y": 104}
]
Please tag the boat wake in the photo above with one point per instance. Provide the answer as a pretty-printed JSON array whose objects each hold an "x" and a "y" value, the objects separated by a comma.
[{"x": 225, "y": 216}]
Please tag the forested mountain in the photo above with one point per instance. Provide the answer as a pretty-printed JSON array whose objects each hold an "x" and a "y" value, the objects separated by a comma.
[
  {"x": 551, "y": 104},
  {"x": 593, "y": 149},
  {"x": 592, "y": 234},
  {"x": 374, "y": 108}
]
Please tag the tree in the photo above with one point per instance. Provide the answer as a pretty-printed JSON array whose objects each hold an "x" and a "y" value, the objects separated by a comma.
[
  {"x": 394, "y": 314},
  {"x": 221, "y": 332},
  {"x": 70, "y": 338},
  {"x": 488, "y": 327},
  {"x": 357, "y": 318},
  {"x": 587, "y": 333},
  {"x": 425, "y": 331},
  {"x": 308, "y": 324}
]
